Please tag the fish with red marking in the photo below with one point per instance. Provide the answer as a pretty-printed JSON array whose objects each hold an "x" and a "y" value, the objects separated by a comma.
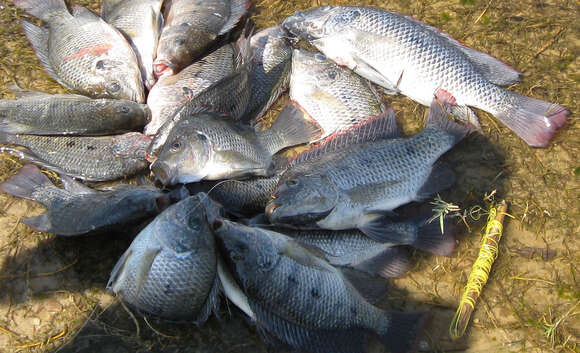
[{"x": 82, "y": 52}]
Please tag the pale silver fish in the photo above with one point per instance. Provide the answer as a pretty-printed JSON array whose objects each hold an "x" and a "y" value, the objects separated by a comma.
[
  {"x": 298, "y": 298},
  {"x": 41, "y": 113},
  {"x": 354, "y": 188},
  {"x": 407, "y": 56},
  {"x": 191, "y": 26},
  {"x": 170, "y": 269},
  {"x": 334, "y": 96},
  {"x": 140, "y": 21},
  {"x": 82, "y": 52},
  {"x": 90, "y": 158},
  {"x": 173, "y": 91},
  {"x": 77, "y": 209},
  {"x": 270, "y": 75}
]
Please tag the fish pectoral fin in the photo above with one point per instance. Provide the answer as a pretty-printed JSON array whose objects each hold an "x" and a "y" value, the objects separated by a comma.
[
  {"x": 107, "y": 8},
  {"x": 118, "y": 272},
  {"x": 281, "y": 332},
  {"x": 145, "y": 268},
  {"x": 371, "y": 288},
  {"x": 81, "y": 12},
  {"x": 370, "y": 192},
  {"x": 307, "y": 256},
  {"x": 392, "y": 262},
  {"x": 75, "y": 187}
]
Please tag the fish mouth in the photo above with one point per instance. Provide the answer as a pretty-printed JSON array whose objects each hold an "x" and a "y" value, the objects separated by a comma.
[
  {"x": 270, "y": 208},
  {"x": 162, "y": 68},
  {"x": 162, "y": 172}
]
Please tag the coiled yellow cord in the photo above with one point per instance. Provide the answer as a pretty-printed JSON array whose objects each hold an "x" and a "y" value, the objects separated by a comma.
[{"x": 480, "y": 271}]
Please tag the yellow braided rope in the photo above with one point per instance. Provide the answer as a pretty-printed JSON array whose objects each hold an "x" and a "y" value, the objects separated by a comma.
[{"x": 480, "y": 271}]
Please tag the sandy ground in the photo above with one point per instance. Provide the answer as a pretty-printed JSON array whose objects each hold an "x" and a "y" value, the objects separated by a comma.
[{"x": 52, "y": 294}]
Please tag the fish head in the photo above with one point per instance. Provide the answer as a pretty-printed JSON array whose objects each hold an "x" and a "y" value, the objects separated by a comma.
[
  {"x": 184, "y": 157},
  {"x": 320, "y": 22},
  {"x": 312, "y": 71},
  {"x": 249, "y": 251},
  {"x": 128, "y": 113},
  {"x": 177, "y": 48},
  {"x": 131, "y": 146},
  {"x": 302, "y": 199},
  {"x": 121, "y": 79}
]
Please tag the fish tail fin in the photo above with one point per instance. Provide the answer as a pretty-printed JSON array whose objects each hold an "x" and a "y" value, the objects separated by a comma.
[
  {"x": 39, "y": 223},
  {"x": 440, "y": 112},
  {"x": 24, "y": 183},
  {"x": 403, "y": 331},
  {"x": 290, "y": 129},
  {"x": 430, "y": 239},
  {"x": 533, "y": 120},
  {"x": 46, "y": 10}
]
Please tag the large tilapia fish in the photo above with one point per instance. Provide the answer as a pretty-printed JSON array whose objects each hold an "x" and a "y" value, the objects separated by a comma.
[
  {"x": 300, "y": 300},
  {"x": 191, "y": 26},
  {"x": 170, "y": 269},
  {"x": 78, "y": 209},
  {"x": 140, "y": 21},
  {"x": 173, "y": 91},
  {"x": 354, "y": 188},
  {"x": 82, "y": 52},
  {"x": 90, "y": 158},
  {"x": 40, "y": 113},
  {"x": 407, "y": 56}
]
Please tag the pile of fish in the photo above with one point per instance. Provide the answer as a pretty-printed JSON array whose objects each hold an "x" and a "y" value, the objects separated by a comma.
[{"x": 303, "y": 245}]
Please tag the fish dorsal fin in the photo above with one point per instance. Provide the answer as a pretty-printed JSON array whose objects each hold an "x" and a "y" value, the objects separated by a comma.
[
  {"x": 383, "y": 126},
  {"x": 74, "y": 187},
  {"x": 81, "y": 12},
  {"x": 371, "y": 288},
  {"x": 492, "y": 69},
  {"x": 237, "y": 9},
  {"x": 38, "y": 37}
]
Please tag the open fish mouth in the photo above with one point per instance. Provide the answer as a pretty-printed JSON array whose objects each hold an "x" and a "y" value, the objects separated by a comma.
[
  {"x": 162, "y": 172},
  {"x": 163, "y": 68}
]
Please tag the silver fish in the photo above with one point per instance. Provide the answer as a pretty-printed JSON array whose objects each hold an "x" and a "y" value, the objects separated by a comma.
[
  {"x": 334, "y": 96},
  {"x": 211, "y": 147},
  {"x": 301, "y": 300},
  {"x": 140, "y": 21},
  {"x": 191, "y": 27},
  {"x": 407, "y": 56},
  {"x": 354, "y": 188},
  {"x": 170, "y": 269},
  {"x": 89, "y": 158},
  {"x": 82, "y": 52},
  {"x": 173, "y": 91},
  {"x": 67, "y": 114},
  {"x": 78, "y": 209},
  {"x": 271, "y": 58}
]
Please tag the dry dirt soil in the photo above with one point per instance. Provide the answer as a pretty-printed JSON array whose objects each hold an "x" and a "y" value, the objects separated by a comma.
[{"x": 52, "y": 295}]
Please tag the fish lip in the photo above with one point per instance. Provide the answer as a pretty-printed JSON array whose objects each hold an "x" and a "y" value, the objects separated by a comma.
[
  {"x": 162, "y": 172},
  {"x": 163, "y": 67},
  {"x": 149, "y": 157},
  {"x": 270, "y": 208}
]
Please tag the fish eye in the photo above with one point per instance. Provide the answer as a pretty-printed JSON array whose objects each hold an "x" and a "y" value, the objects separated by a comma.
[
  {"x": 176, "y": 146},
  {"x": 180, "y": 41},
  {"x": 116, "y": 149},
  {"x": 114, "y": 87},
  {"x": 292, "y": 182},
  {"x": 187, "y": 92},
  {"x": 332, "y": 75},
  {"x": 320, "y": 57},
  {"x": 123, "y": 109},
  {"x": 184, "y": 24},
  {"x": 202, "y": 137}
]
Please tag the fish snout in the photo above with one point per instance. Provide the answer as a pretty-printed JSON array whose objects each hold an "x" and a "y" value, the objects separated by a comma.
[
  {"x": 270, "y": 208},
  {"x": 162, "y": 172},
  {"x": 163, "y": 68}
]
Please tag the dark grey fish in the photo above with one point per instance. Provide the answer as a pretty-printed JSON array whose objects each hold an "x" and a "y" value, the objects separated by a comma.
[
  {"x": 78, "y": 209},
  {"x": 302, "y": 301},
  {"x": 191, "y": 27},
  {"x": 82, "y": 52},
  {"x": 355, "y": 188},
  {"x": 408, "y": 56},
  {"x": 89, "y": 158},
  {"x": 140, "y": 21},
  {"x": 170, "y": 269},
  {"x": 40, "y": 113},
  {"x": 173, "y": 91},
  {"x": 211, "y": 147},
  {"x": 272, "y": 54}
]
